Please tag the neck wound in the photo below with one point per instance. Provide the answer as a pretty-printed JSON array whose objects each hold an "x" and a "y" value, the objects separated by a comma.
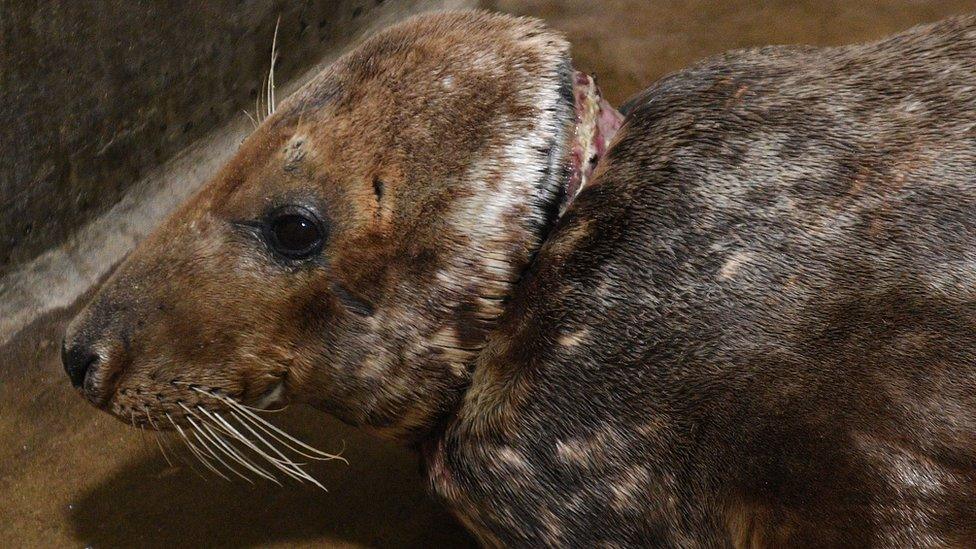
[{"x": 596, "y": 124}]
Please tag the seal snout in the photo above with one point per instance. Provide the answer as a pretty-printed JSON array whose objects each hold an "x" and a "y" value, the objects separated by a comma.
[{"x": 89, "y": 367}]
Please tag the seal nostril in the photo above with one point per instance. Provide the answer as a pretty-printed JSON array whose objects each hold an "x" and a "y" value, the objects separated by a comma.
[{"x": 77, "y": 361}]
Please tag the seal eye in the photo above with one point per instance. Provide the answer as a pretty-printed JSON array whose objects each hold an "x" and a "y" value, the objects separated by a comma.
[{"x": 295, "y": 233}]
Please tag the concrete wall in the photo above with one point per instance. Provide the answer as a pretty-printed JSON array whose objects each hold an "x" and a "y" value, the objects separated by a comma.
[
  {"x": 113, "y": 112},
  {"x": 93, "y": 95},
  {"x": 72, "y": 477}
]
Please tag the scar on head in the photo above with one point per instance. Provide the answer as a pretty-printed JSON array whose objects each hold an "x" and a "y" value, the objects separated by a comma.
[{"x": 294, "y": 152}]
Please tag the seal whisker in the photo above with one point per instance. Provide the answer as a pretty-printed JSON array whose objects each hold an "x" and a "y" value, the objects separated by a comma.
[
  {"x": 142, "y": 430},
  {"x": 212, "y": 443},
  {"x": 274, "y": 58},
  {"x": 149, "y": 418},
  {"x": 155, "y": 434},
  {"x": 257, "y": 102},
  {"x": 185, "y": 460},
  {"x": 232, "y": 451},
  {"x": 271, "y": 430},
  {"x": 251, "y": 118},
  {"x": 196, "y": 452},
  {"x": 204, "y": 454},
  {"x": 285, "y": 465},
  {"x": 162, "y": 450},
  {"x": 132, "y": 420},
  {"x": 229, "y": 447},
  {"x": 265, "y": 410},
  {"x": 213, "y": 447},
  {"x": 263, "y": 425},
  {"x": 213, "y": 394},
  {"x": 259, "y": 437}
]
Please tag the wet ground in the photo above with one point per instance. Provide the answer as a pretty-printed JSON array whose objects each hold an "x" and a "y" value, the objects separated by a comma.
[{"x": 72, "y": 477}]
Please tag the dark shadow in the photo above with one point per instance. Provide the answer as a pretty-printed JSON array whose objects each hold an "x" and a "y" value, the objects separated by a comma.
[{"x": 378, "y": 500}]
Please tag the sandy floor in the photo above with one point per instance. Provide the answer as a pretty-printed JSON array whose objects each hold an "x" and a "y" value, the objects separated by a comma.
[{"x": 72, "y": 477}]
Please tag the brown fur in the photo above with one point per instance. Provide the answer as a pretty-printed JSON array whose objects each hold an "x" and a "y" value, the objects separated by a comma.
[
  {"x": 755, "y": 328},
  {"x": 399, "y": 144}
]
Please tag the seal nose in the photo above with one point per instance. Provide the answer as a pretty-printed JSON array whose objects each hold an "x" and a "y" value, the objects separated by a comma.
[
  {"x": 78, "y": 360},
  {"x": 93, "y": 354}
]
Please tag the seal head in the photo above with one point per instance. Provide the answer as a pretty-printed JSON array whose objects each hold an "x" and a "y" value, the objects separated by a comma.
[{"x": 357, "y": 251}]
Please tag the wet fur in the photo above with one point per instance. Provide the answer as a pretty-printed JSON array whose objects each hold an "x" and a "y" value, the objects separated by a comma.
[{"x": 754, "y": 328}]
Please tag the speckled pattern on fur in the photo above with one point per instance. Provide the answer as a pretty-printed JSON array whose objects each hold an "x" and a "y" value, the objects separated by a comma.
[
  {"x": 753, "y": 328},
  {"x": 758, "y": 326}
]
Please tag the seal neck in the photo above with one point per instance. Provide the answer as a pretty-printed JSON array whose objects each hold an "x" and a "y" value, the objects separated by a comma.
[
  {"x": 595, "y": 125},
  {"x": 578, "y": 126},
  {"x": 582, "y": 143}
]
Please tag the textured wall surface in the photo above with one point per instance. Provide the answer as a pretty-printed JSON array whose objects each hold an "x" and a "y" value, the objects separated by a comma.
[
  {"x": 631, "y": 43},
  {"x": 71, "y": 476},
  {"x": 94, "y": 94}
]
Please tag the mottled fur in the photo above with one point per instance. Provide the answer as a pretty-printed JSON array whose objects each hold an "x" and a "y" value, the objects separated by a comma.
[
  {"x": 436, "y": 162},
  {"x": 766, "y": 333},
  {"x": 756, "y": 327}
]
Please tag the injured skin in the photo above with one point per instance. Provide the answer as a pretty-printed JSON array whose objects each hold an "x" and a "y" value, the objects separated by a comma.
[{"x": 596, "y": 124}]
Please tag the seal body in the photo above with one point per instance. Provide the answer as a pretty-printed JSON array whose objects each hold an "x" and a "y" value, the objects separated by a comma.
[
  {"x": 757, "y": 327},
  {"x": 753, "y": 326}
]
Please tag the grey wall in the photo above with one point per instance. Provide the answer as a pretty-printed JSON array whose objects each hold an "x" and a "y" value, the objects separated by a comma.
[{"x": 94, "y": 94}]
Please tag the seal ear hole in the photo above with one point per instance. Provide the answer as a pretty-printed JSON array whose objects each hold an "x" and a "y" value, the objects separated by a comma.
[{"x": 378, "y": 188}]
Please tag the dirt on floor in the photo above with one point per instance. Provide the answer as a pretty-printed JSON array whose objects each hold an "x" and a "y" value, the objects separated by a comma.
[{"x": 70, "y": 476}]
